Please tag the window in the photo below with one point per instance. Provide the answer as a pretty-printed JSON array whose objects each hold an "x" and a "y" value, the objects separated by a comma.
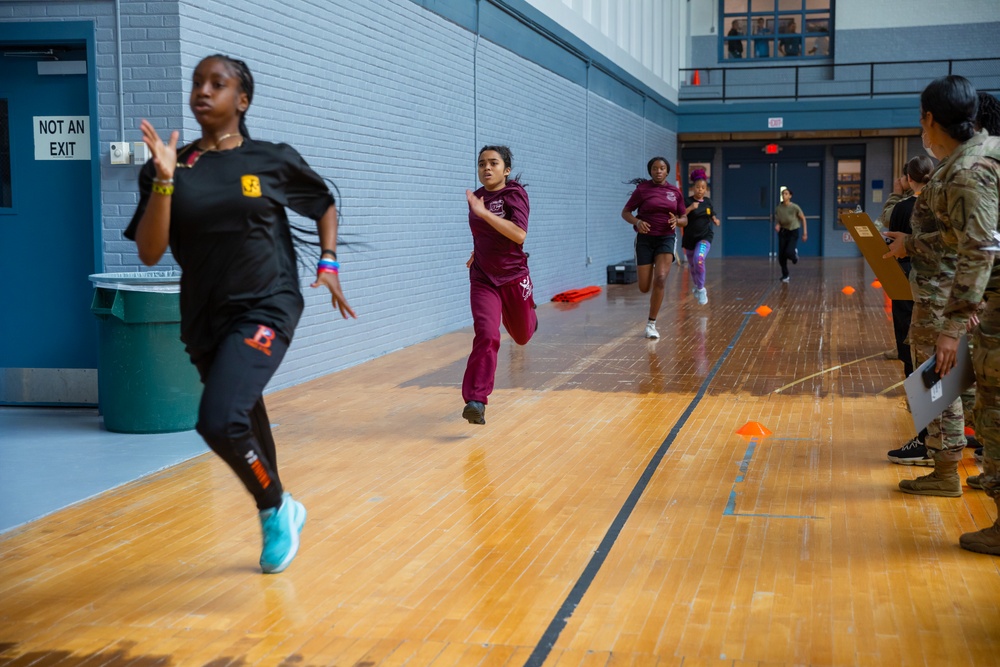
[
  {"x": 769, "y": 29},
  {"x": 5, "y": 194},
  {"x": 848, "y": 187}
]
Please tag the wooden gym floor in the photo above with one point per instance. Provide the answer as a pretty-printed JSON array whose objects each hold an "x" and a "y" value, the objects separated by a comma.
[{"x": 607, "y": 514}]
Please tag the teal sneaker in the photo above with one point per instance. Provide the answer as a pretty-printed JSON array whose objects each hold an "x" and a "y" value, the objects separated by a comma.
[{"x": 280, "y": 527}]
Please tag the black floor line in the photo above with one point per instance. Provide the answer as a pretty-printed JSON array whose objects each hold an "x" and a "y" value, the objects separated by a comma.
[{"x": 556, "y": 626}]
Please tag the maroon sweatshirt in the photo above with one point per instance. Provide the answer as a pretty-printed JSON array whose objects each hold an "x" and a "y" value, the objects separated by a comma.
[{"x": 497, "y": 256}]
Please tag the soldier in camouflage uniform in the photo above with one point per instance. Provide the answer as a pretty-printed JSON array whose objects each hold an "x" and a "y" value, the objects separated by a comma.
[
  {"x": 963, "y": 202},
  {"x": 931, "y": 279}
]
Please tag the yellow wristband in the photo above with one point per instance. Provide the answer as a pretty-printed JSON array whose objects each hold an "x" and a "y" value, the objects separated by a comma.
[{"x": 165, "y": 190}]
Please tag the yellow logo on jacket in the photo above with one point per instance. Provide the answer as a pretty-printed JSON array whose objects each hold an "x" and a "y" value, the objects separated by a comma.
[{"x": 251, "y": 186}]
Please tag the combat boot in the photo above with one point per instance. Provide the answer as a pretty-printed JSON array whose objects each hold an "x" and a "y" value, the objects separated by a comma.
[
  {"x": 985, "y": 541},
  {"x": 944, "y": 481}
]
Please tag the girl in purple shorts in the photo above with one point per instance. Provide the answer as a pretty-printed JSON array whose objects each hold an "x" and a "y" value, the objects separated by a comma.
[
  {"x": 500, "y": 286},
  {"x": 660, "y": 207}
]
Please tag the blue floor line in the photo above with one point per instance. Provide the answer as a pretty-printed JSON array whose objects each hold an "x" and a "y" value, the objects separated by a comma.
[
  {"x": 744, "y": 466},
  {"x": 569, "y": 605}
]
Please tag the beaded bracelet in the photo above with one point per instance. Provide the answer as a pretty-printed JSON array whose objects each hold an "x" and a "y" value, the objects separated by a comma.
[{"x": 327, "y": 266}]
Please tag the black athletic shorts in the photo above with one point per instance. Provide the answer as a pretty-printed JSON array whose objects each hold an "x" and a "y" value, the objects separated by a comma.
[{"x": 648, "y": 247}]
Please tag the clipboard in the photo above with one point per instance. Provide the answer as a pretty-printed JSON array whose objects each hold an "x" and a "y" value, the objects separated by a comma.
[
  {"x": 928, "y": 403},
  {"x": 872, "y": 244}
]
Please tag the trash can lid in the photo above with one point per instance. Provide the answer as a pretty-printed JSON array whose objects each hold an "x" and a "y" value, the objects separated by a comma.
[{"x": 140, "y": 281}]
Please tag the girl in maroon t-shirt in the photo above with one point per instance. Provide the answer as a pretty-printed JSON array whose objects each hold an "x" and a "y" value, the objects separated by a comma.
[
  {"x": 500, "y": 287},
  {"x": 660, "y": 207}
]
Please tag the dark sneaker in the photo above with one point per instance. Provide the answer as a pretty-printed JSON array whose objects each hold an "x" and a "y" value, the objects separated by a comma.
[
  {"x": 970, "y": 441},
  {"x": 913, "y": 453},
  {"x": 978, "y": 454},
  {"x": 475, "y": 412}
]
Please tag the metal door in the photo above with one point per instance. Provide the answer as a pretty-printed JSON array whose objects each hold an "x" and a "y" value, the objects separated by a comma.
[
  {"x": 751, "y": 193},
  {"x": 47, "y": 238}
]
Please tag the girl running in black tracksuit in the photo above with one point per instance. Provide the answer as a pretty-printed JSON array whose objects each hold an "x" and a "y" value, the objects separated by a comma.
[{"x": 219, "y": 203}]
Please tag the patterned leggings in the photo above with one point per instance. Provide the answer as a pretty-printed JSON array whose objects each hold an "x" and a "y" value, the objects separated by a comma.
[{"x": 696, "y": 262}]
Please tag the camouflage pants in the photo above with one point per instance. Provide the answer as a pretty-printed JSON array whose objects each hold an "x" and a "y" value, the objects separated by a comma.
[
  {"x": 945, "y": 434},
  {"x": 986, "y": 362}
]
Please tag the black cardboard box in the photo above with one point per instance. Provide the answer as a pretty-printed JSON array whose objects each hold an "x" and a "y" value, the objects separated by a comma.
[{"x": 622, "y": 273}]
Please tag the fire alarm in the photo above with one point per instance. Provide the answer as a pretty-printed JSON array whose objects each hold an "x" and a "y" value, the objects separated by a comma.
[{"x": 119, "y": 152}]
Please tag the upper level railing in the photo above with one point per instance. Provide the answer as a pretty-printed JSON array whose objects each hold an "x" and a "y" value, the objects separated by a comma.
[{"x": 803, "y": 82}]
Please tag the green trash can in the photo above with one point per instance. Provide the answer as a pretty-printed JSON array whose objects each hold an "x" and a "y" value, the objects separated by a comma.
[{"x": 145, "y": 380}]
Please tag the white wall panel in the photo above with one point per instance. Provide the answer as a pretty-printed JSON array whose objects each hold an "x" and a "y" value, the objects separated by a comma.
[
  {"x": 861, "y": 14},
  {"x": 643, "y": 37}
]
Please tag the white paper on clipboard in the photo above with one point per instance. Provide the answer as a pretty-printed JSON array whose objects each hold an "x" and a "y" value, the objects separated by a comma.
[{"x": 926, "y": 404}]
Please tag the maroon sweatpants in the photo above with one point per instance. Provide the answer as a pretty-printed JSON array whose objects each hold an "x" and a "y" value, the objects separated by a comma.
[{"x": 510, "y": 304}]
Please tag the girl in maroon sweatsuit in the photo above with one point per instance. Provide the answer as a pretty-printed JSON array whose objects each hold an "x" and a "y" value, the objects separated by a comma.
[{"x": 500, "y": 287}]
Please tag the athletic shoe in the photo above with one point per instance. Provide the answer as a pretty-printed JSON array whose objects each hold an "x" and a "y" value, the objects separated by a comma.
[
  {"x": 978, "y": 455},
  {"x": 970, "y": 441},
  {"x": 913, "y": 453},
  {"x": 784, "y": 279},
  {"x": 651, "y": 331},
  {"x": 975, "y": 481},
  {"x": 702, "y": 296},
  {"x": 475, "y": 412},
  {"x": 280, "y": 527}
]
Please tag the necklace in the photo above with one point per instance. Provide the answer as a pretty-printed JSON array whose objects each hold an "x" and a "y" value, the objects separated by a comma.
[
  {"x": 195, "y": 151},
  {"x": 219, "y": 141}
]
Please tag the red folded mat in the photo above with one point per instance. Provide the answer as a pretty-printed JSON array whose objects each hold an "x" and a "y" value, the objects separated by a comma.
[{"x": 573, "y": 295}]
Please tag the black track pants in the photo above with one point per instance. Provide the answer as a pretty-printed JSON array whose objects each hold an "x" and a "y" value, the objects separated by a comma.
[{"x": 232, "y": 418}]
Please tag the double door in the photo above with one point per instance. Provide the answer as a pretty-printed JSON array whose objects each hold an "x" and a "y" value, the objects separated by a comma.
[{"x": 753, "y": 191}]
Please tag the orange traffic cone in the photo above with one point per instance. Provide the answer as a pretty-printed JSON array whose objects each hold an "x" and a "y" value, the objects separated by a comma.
[
  {"x": 696, "y": 79},
  {"x": 754, "y": 429}
]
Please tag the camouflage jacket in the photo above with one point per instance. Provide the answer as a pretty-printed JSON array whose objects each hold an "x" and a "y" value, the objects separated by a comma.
[{"x": 954, "y": 218}]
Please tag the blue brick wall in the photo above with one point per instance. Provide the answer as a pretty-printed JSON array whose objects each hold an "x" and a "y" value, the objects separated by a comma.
[
  {"x": 969, "y": 40},
  {"x": 548, "y": 140},
  {"x": 611, "y": 161},
  {"x": 391, "y": 101}
]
